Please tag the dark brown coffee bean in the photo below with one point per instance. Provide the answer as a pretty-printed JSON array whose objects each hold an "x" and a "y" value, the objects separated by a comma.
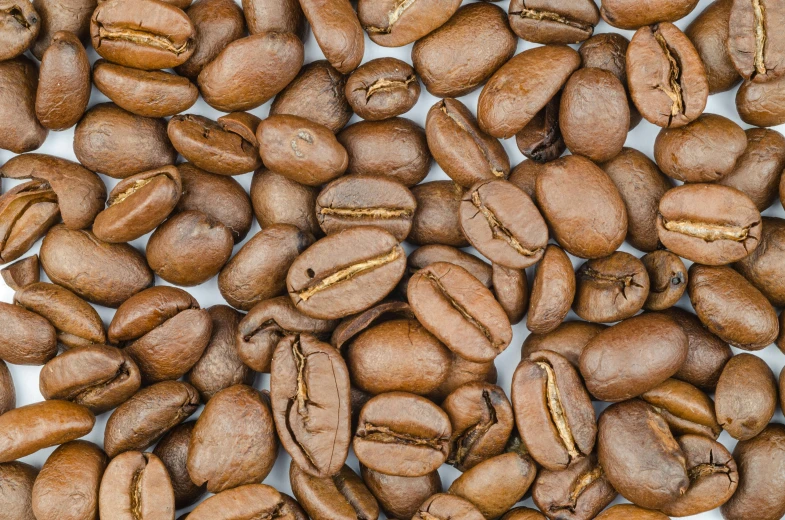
[
  {"x": 17, "y": 491},
  {"x": 218, "y": 23},
  {"x": 266, "y": 15},
  {"x": 456, "y": 308},
  {"x": 630, "y": 512},
  {"x": 578, "y": 492},
  {"x": 666, "y": 77},
  {"x": 382, "y": 88},
  {"x": 346, "y": 272},
  {"x": 400, "y": 497},
  {"x": 424, "y": 256},
  {"x": 28, "y": 339},
  {"x": 462, "y": 372},
  {"x": 686, "y": 409},
  {"x": 755, "y": 44},
  {"x": 20, "y": 130},
  {"x": 342, "y": 496},
  {"x": 337, "y": 31},
  {"x": 393, "y": 24},
  {"x": 582, "y": 207},
  {"x": 436, "y": 220},
  {"x": 515, "y": 93},
  {"x": 631, "y": 15},
  {"x": 173, "y": 452},
  {"x": 258, "y": 271},
  {"x": 135, "y": 486},
  {"x": 252, "y": 500},
  {"x": 758, "y": 169},
  {"x": 632, "y": 435},
  {"x": 633, "y": 357},
  {"x": 67, "y": 486},
  {"x": 444, "y": 506},
  {"x": 611, "y": 289},
  {"x": 732, "y": 308},
  {"x": 553, "y": 291},
  {"x": 568, "y": 339},
  {"x": 309, "y": 385},
  {"x": 511, "y": 289},
  {"x": 22, "y": 273},
  {"x": 709, "y": 34},
  {"x": 25, "y": 430},
  {"x": 280, "y": 200},
  {"x": 27, "y": 212},
  {"x": 7, "y": 390},
  {"x": 667, "y": 279},
  {"x": 402, "y": 434},
  {"x": 708, "y": 223},
  {"x": 761, "y": 104},
  {"x": 65, "y": 73},
  {"x": 544, "y": 21},
  {"x": 449, "y": 61},
  {"x": 763, "y": 267},
  {"x": 20, "y": 27},
  {"x": 541, "y": 139},
  {"x": 746, "y": 396}
]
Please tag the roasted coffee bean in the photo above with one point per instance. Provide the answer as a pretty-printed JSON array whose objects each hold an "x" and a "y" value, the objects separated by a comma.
[
  {"x": 17, "y": 491},
  {"x": 402, "y": 434},
  {"x": 444, "y": 506},
  {"x": 632, "y": 435},
  {"x": 317, "y": 93},
  {"x": 19, "y": 27},
  {"x": 20, "y": 130},
  {"x": 27, "y": 339},
  {"x": 582, "y": 207},
  {"x": 456, "y": 308},
  {"x": 67, "y": 486},
  {"x": 667, "y": 279},
  {"x": 342, "y": 496},
  {"x": 65, "y": 73},
  {"x": 250, "y": 71},
  {"x": 144, "y": 93},
  {"x": 345, "y": 273},
  {"x": 578, "y": 492},
  {"x": 396, "y": 147},
  {"x": 708, "y": 223},
  {"x": 713, "y": 476},
  {"x": 424, "y": 256},
  {"x": 666, "y": 77},
  {"x": 631, "y": 15},
  {"x": 62, "y": 15},
  {"x": 686, "y": 409},
  {"x": 523, "y": 513},
  {"x": 611, "y": 289},
  {"x": 709, "y": 34},
  {"x": 436, "y": 220},
  {"x": 135, "y": 486},
  {"x": 150, "y": 413},
  {"x": 400, "y": 497},
  {"x": 541, "y": 139},
  {"x": 22, "y": 273},
  {"x": 267, "y": 15},
  {"x": 758, "y": 169},
  {"x": 462, "y": 372},
  {"x": 218, "y": 23},
  {"x": 356, "y": 324},
  {"x": 173, "y": 452},
  {"x": 633, "y": 357},
  {"x": 291, "y": 505},
  {"x": 337, "y": 31},
  {"x": 449, "y": 61},
  {"x": 310, "y": 397},
  {"x": 249, "y": 501},
  {"x": 520, "y": 89},
  {"x": 163, "y": 330},
  {"x": 730, "y": 307},
  {"x": 553, "y": 410},
  {"x": 546, "y": 21},
  {"x": 251, "y": 436},
  {"x": 511, "y": 289},
  {"x": 220, "y": 365},
  {"x": 25, "y": 430},
  {"x": 280, "y": 200},
  {"x": 746, "y": 396},
  {"x": 755, "y": 44},
  {"x": 258, "y": 271},
  {"x": 382, "y": 88},
  {"x": 760, "y": 104},
  {"x": 7, "y": 390},
  {"x": 568, "y": 339},
  {"x": 760, "y": 493},
  {"x": 641, "y": 185},
  {"x": 511, "y": 231},
  {"x": 27, "y": 212},
  {"x": 394, "y": 24},
  {"x": 763, "y": 267},
  {"x": 553, "y": 291},
  {"x": 630, "y": 512}
]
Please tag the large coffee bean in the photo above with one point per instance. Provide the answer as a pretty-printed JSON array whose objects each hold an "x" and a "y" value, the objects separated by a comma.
[
  {"x": 758, "y": 169},
  {"x": 135, "y": 486},
  {"x": 761, "y": 104},
  {"x": 65, "y": 73},
  {"x": 337, "y": 31},
  {"x": 20, "y": 130},
  {"x": 755, "y": 44},
  {"x": 392, "y": 24},
  {"x": 709, "y": 34},
  {"x": 746, "y": 396}
]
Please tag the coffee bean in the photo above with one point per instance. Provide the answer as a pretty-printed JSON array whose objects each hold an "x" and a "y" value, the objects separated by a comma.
[
  {"x": 548, "y": 21},
  {"x": 758, "y": 169},
  {"x": 400, "y": 497},
  {"x": 7, "y": 390},
  {"x": 382, "y": 88},
  {"x": 280, "y": 200},
  {"x": 436, "y": 220},
  {"x": 356, "y": 324},
  {"x": 218, "y": 23},
  {"x": 28, "y": 339},
  {"x": 686, "y": 409},
  {"x": 266, "y": 15},
  {"x": 760, "y": 104},
  {"x": 578, "y": 492},
  {"x": 62, "y": 15},
  {"x": 553, "y": 291},
  {"x": 462, "y": 372},
  {"x": 21, "y": 26},
  {"x": 762, "y": 267},
  {"x": 20, "y": 130},
  {"x": 424, "y": 256},
  {"x": 709, "y": 34},
  {"x": 511, "y": 289},
  {"x": 136, "y": 485},
  {"x": 755, "y": 45},
  {"x": 443, "y": 506},
  {"x": 22, "y": 273},
  {"x": 392, "y": 24},
  {"x": 342, "y": 496},
  {"x": 746, "y": 396},
  {"x": 337, "y": 31},
  {"x": 27, "y": 212},
  {"x": 568, "y": 339},
  {"x": 244, "y": 501},
  {"x": 65, "y": 72},
  {"x": 631, "y": 15},
  {"x": 16, "y": 494},
  {"x": 172, "y": 449},
  {"x": 541, "y": 139},
  {"x": 630, "y": 512},
  {"x": 667, "y": 279},
  {"x": 611, "y": 288}
]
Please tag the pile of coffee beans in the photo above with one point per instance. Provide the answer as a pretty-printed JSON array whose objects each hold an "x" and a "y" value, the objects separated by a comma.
[{"x": 375, "y": 249}]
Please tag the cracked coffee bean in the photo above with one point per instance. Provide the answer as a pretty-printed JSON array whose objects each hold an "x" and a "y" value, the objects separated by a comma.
[
  {"x": 135, "y": 486},
  {"x": 541, "y": 139},
  {"x": 755, "y": 42},
  {"x": 667, "y": 280},
  {"x": 611, "y": 289},
  {"x": 391, "y": 23},
  {"x": 27, "y": 212},
  {"x": 342, "y": 496},
  {"x": 551, "y": 21},
  {"x": 382, "y": 88}
]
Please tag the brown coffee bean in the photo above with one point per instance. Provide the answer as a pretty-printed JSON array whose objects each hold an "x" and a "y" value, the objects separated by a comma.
[
  {"x": 244, "y": 502},
  {"x": 392, "y": 24},
  {"x": 667, "y": 80},
  {"x": 7, "y": 390},
  {"x": 541, "y": 139},
  {"x": 709, "y": 34},
  {"x": 400, "y": 497},
  {"x": 763, "y": 267},
  {"x": 582, "y": 207},
  {"x": 22, "y": 273},
  {"x": 543, "y": 21},
  {"x": 436, "y": 220},
  {"x": 62, "y": 15},
  {"x": 218, "y": 23},
  {"x": 667, "y": 280},
  {"x": 356, "y": 324},
  {"x": 27, "y": 339},
  {"x": 449, "y": 61},
  {"x": 266, "y": 15},
  {"x": 553, "y": 291},
  {"x": 65, "y": 73},
  {"x": 258, "y": 271},
  {"x": 27, "y": 212},
  {"x": 631, "y": 15},
  {"x": 731, "y": 307},
  {"x": 135, "y": 486},
  {"x": 382, "y": 88},
  {"x": 524, "y": 513},
  {"x": 337, "y": 31},
  {"x": 568, "y": 339},
  {"x": 462, "y": 372},
  {"x": 578, "y": 492},
  {"x": 25, "y": 430},
  {"x": 444, "y": 506},
  {"x": 633, "y": 357},
  {"x": 758, "y": 169},
  {"x": 251, "y": 435},
  {"x": 630, "y": 512},
  {"x": 150, "y": 413},
  {"x": 220, "y": 365},
  {"x": 345, "y": 273},
  {"x": 20, "y": 130},
  {"x": 686, "y": 409},
  {"x": 746, "y": 396},
  {"x": 424, "y": 256},
  {"x": 754, "y": 43},
  {"x": 402, "y": 434},
  {"x": 515, "y": 93},
  {"x": 173, "y": 452},
  {"x": 16, "y": 493},
  {"x": 280, "y": 200},
  {"x": 760, "y": 104},
  {"x": 707, "y": 223},
  {"x": 342, "y": 496},
  {"x": 511, "y": 289},
  {"x": 311, "y": 377},
  {"x": 611, "y": 289},
  {"x": 20, "y": 27}
]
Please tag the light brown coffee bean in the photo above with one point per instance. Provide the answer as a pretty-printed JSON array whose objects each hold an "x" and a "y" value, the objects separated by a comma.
[
  {"x": 65, "y": 73},
  {"x": 553, "y": 291},
  {"x": 135, "y": 486}
]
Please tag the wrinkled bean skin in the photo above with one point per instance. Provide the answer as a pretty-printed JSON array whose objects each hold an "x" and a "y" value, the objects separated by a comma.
[
  {"x": 667, "y": 279},
  {"x": 27, "y": 339},
  {"x": 342, "y": 496},
  {"x": 135, "y": 486},
  {"x": 400, "y": 497},
  {"x": 393, "y": 24},
  {"x": 755, "y": 43},
  {"x": 22, "y": 273},
  {"x": 709, "y": 34},
  {"x": 578, "y": 492},
  {"x": 763, "y": 267},
  {"x": 686, "y": 409},
  {"x": 611, "y": 289},
  {"x": 16, "y": 494},
  {"x": 20, "y": 130},
  {"x": 7, "y": 390},
  {"x": 568, "y": 339},
  {"x": 553, "y": 291},
  {"x": 218, "y": 23},
  {"x": 172, "y": 449},
  {"x": 337, "y": 31},
  {"x": 19, "y": 27},
  {"x": 761, "y": 104},
  {"x": 65, "y": 73},
  {"x": 757, "y": 170},
  {"x": 279, "y": 200},
  {"x": 540, "y": 21},
  {"x": 627, "y": 14},
  {"x": 746, "y": 396},
  {"x": 444, "y": 506},
  {"x": 437, "y": 217},
  {"x": 732, "y": 308},
  {"x": 267, "y": 15},
  {"x": 249, "y": 501}
]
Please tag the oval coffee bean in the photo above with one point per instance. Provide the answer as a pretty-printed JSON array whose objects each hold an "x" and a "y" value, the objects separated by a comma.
[
  {"x": 392, "y": 24},
  {"x": 436, "y": 220},
  {"x": 578, "y": 492},
  {"x": 755, "y": 44},
  {"x": 400, "y": 497},
  {"x": 763, "y": 267},
  {"x": 16, "y": 494},
  {"x": 611, "y": 289},
  {"x": 667, "y": 279},
  {"x": 20, "y": 130},
  {"x": 218, "y": 23},
  {"x": 310, "y": 398},
  {"x": 631, "y": 15},
  {"x": 172, "y": 449},
  {"x": 708, "y": 223},
  {"x": 709, "y": 34},
  {"x": 252, "y": 438},
  {"x": 761, "y": 104},
  {"x": 633, "y": 357},
  {"x": 342, "y": 496},
  {"x": 543, "y": 21},
  {"x": 22, "y": 273},
  {"x": 758, "y": 169},
  {"x": 686, "y": 409},
  {"x": 553, "y": 291},
  {"x": 730, "y": 307},
  {"x": 279, "y": 200},
  {"x": 568, "y": 339},
  {"x": 27, "y": 339},
  {"x": 249, "y": 501},
  {"x": 337, "y": 31},
  {"x": 444, "y": 506},
  {"x": 25, "y": 430},
  {"x": 462, "y": 372},
  {"x": 65, "y": 73},
  {"x": 402, "y": 434},
  {"x": 20, "y": 27},
  {"x": 135, "y": 486},
  {"x": 511, "y": 288},
  {"x": 449, "y": 61},
  {"x": 746, "y": 396},
  {"x": 382, "y": 88}
]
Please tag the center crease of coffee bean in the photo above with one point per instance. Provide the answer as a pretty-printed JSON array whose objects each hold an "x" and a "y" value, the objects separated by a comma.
[
  {"x": 550, "y": 16},
  {"x": 17, "y": 14},
  {"x": 462, "y": 444},
  {"x": 477, "y": 141},
  {"x": 557, "y": 410},
  {"x": 24, "y": 201},
  {"x": 383, "y": 213},
  {"x": 583, "y": 483},
  {"x": 392, "y": 17},
  {"x": 143, "y": 38},
  {"x": 269, "y": 325},
  {"x": 382, "y": 85},
  {"x": 120, "y": 197},
  {"x": 625, "y": 281},
  {"x": 673, "y": 91},
  {"x": 498, "y": 229},
  {"x": 708, "y": 232},
  {"x": 136, "y": 494},
  {"x": 385, "y": 435},
  {"x": 81, "y": 395},
  {"x": 304, "y": 136},
  {"x": 760, "y": 36},
  {"x": 351, "y": 498}
]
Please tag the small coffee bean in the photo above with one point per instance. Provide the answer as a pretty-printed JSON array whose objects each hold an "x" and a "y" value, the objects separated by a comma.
[
  {"x": 436, "y": 220},
  {"x": 342, "y": 496},
  {"x": 548, "y": 21},
  {"x": 382, "y": 88},
  {"x": 568, "y": 339},
  {"x": 553, "y": 291},
  {"x": 65, "y": 73},
  {"x": 746, "y": 396},
  {"x": 625, "y": 14},
  {"x": 400, "y": 497},
  {"x": 22, "y": 273},
  {"x": 20, "y": 130},
  {"x": 758, "y": 169},
  {"x": 541, "y": 139},
  {"x": 686, "y": 409},
  {"x": 172, "y": 449},
  {"x": 16, "y": 493},
  {"x": 135, "y": 486},
  {"x": 709, "y": 34},
  {"x": 611, "y": 289},
  {"x": 280, "y": 200},
  {"x": 392, "y": 24},
  {"x": 27, "y": 212},
  {"x": 578, "y": 492},
  {"x": 218, "y": 23},
  {"x": 28, "y": 338},
  {"x": 667, "y": 280},
  {"x": 762, "y": 268},
  {"x": 337, "y": 31},
  {"x": 760, "y": 104}
]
